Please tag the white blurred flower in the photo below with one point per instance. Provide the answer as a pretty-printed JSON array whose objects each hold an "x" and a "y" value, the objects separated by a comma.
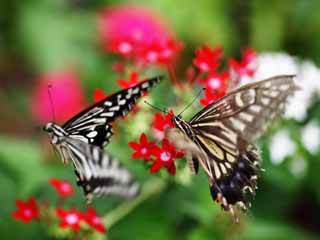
[
  {"x": 308, "y": 78},
  {"x": 311, "y": 136},
  {"x": 298, "y": 167},
  {"x": 281, "y": 146}
]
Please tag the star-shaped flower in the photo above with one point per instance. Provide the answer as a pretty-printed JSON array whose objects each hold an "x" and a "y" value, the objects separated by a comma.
[
  {"x": 69, "y": 218},
  {"x": 207, "y": 59},
  {"x": 216, "y": 82},
  {"x": 244, "y": 68},
  {"x": 143, "y": 149},
  {"x": 161, "y": 123},
  {"x": 63, "y": 188},
  {"x": 133, "y": 80},
  {"x": 211, "y": 96},
  {"x": 92, "y": 219},
  {"x": 26, "y": 211},
  {"x": 165, "y": 157}
]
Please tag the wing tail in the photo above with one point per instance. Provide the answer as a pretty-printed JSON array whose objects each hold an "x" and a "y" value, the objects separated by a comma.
[{"x": 231, "y": 189}]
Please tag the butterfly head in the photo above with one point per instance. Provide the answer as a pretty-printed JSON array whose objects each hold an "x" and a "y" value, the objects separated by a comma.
[
  {"x": 54, "y": 131},
  {"x": 181, "y": 124},
  {"x": 176, "y": 120}
]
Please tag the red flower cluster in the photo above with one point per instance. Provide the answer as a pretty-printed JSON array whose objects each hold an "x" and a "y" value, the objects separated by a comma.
[
  {"x": 246, "y": 67},
  {"x": 72, "y": 218},
  {"x": 164, "y": 155},
  {"x": 207, "y": 60},
  {"x": 136, "y": 33},
  {"x": 26, "y": 211}
]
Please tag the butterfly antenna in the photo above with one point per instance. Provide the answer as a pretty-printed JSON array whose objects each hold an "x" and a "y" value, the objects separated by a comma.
[
  {"x": 51, "y": 101},
  {"x": 158, "y": 109},
  {"x": 195, "y": 98}
]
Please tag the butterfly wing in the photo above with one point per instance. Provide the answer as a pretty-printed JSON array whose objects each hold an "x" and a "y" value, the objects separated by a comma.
[
  {"x": 224, "y": 131},
  {"x": 92, "y": 125},
  {"x": 244, "y": 114},
  {"x": 97, "y": 172}
]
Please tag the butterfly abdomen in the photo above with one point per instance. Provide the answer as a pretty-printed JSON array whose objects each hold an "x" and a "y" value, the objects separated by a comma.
[{"x": 231, "y": 189}]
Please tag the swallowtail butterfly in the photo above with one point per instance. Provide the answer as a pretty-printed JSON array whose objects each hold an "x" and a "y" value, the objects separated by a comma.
[
  {"x": 82, "y": 138},
  {"x": 220, "y": 137}
]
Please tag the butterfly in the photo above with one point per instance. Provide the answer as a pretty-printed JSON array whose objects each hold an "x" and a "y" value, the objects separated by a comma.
[
  {"x": 82, "y": 138},
  {"x": 220, "y": 137}
]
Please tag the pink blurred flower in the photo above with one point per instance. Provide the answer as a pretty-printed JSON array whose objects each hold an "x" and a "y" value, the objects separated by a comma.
[
  {"x": 133, "y": 31},
  {"x": 66, "y": 92}
]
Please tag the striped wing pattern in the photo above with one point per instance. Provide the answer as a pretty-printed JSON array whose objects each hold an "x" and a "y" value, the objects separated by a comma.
[
  {"x": 224, "y": 132},
  {"x": 92, "y": 125},
  {"x": 97, "y": 172},
  {"x": 81, "y": 139}
]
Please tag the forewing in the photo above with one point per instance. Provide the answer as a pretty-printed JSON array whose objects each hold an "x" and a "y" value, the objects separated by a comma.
[
  {"x": 244, "y": 114},
  {"x": 98, "y": 173},
  {"x": 92, "y": 125}
]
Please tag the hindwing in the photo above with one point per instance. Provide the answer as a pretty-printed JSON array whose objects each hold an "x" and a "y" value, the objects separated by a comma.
[{"x": 97, "y": 172}]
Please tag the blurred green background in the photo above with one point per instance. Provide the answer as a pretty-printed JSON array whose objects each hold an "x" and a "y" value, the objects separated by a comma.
[{"x": 43, "y": 35}]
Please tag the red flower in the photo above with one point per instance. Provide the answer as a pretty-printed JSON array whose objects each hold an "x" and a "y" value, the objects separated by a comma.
[
  {"x": 118, "y": 67},
  {"x": 93, "y": 220},
  {"x": 216, "y": 82},
  {"x": 164, "y": 157},
  {"x": 98, "y": 95},
  {"x": 67, "y": 96},
  {"x": 207, "y": 59},
  {"x": 63, "y": 188},
  {"x": 133, "y": 80},
  {"x": 26, "y": 210},
  {"x": 143, "y": 149},
  {"x": 211, "y": 96},
  {"x": 69, "y": 218},
  {"x": 160, "y": 123},
  {"x": 122, "y": 47},
  {"x": 246, "y": 67},
  {"x": 160, "y": 52}
]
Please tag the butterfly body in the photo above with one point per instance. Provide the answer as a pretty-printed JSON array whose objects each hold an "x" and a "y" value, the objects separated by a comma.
[
  {"x": 220, "y": 137},
  {"x": 81, "y": 139}
]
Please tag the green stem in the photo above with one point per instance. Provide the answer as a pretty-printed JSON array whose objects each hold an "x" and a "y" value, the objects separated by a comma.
[{"x": 150, "y": 188}]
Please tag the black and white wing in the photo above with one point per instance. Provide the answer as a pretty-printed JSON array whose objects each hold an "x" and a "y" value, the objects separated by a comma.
[
  {"x": 243, "y": 115},
  {"x": 92, "y": 125},
  {"x": 225, "y": 130},
  {"x": 97, "y": 172}
]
